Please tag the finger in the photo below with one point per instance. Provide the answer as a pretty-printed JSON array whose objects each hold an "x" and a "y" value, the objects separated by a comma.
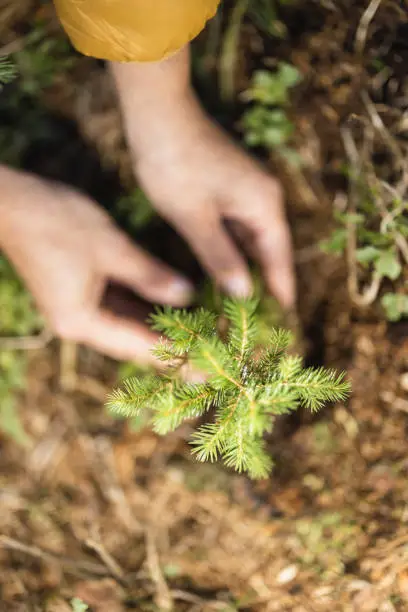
[
  {"x": 276, "y": 258},
  {"x": 216, "y": 250},
  {"x": 149, "y": 277},
  {"x": 273, "y": 244},
  {"x": 116, "y": 337}
]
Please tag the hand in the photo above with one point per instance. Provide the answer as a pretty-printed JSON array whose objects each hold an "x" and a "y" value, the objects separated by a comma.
[
  {"x": 197, "y": 178},
  {"x": 66, "y": 249},
  {"x": 200, "y": 180}
]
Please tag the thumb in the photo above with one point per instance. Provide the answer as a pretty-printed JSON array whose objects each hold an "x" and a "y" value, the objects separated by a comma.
[{"x": 118, "y": 338}]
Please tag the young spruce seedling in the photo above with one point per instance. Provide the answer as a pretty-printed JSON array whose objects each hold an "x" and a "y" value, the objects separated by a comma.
[{"x": 246, "y": 388}]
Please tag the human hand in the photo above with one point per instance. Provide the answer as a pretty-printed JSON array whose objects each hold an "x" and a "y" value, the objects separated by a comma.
[
  {"x": 197, "y": 178},
  {"x": 66, "y": 249},
  {"x": 200, "y": 180}
]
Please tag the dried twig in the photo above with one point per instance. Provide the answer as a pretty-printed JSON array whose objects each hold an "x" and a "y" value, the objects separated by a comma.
[
  {"x": 68, "y": 362},
  {"x": 389, "y": 216},
  {"x": 49, "y": 450},
  {"x": 69, "y": 565},
  {"x": 362, "y": 30},
  {"x": 370, "y": 293},
  {"x": 112, "y": 565},
  {"x": 26, "y": 343},
  {"x": 164, "y": 598},
  {"x": 382, "y": 130},
  {"x": 188, "y": 597},
  {"x": 102, "y": 462},
  {"x": 93, "y": 388},
  {"x": 14, "y": 46}
]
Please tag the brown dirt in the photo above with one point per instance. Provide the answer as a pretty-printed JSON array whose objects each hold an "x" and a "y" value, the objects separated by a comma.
[{"x": 130, "y": 521}]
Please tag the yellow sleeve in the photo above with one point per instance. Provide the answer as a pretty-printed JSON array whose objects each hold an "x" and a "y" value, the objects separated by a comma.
[{"x": 133, "y": 30}]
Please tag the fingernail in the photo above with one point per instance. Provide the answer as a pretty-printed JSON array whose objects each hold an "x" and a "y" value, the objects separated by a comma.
[
  {"x": 238, "y": 286},
  {"x": 181, "y": 289}
]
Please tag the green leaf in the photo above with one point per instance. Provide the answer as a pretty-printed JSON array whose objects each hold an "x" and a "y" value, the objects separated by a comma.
[
  {"x": 317, "y": 386},
  {"x": 395, "y": 306},
  {"x": 278, "y": 342},
  {"x": 213, "y": 358},
  {"x": 337, "y": 242},
  {"x": 78, "y": 605},
  {"x": 381, "y": 241},
  {"x": 272, "y": 88},
  {"x": 367, "y": 254},
  {"x": 165, "y": 350},
  {"x": 184, "y": 327},
  {"x": 290, "y": 366},
  {"x": 8, "y": 70},
  {"x": 208, "y": 442},
  {"x": 276, "y": 398},
  {"x": 137, "y": 394},
  {"x": 137, "y": 208},
  {"x": 243, "y": 326},
  {"x": 186, "y": 402},
  {"x": 288, "y": 75},
  {"x": 246, "y": 454},
  {"x": 388, "y": 265},
  {"x": 353, "y": 218},
  {"x": 268, "y": 127}
]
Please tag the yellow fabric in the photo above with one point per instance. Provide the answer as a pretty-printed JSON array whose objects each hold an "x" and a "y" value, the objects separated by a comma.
[{"x": 133, "y": 30}]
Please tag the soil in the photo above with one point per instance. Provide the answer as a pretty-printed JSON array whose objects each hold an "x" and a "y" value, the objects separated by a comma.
[{"x": 126, "y": 520}]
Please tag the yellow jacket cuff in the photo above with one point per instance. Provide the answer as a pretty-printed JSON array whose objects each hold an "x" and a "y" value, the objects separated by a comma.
[{"x": 133, "y": 30}]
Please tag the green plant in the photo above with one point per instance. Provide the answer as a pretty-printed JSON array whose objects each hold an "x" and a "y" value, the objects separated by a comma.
[
  {"x": 395, "y": 305},
  {"x": 136, "y": 208},
  {"x": 327, "y": 542},
  {"x": 247, "y": 388},
  {"x": 266, "y": 123},
  {"x": 375, "y": 238},
  {"x": 41, "y": 60},
  {"x": 78, "y": 605},
  {"x": 8, "y": 71},
  {"x": 18, "y": 318},
  {"x": 264, "y": 13}
]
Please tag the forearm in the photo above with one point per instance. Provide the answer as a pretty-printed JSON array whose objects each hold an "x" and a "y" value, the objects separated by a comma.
[{"x": 157, "y": 100}]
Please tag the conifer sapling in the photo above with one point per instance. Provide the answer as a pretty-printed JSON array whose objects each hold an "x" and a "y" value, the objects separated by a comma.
[{"x": 246, "y": 388}]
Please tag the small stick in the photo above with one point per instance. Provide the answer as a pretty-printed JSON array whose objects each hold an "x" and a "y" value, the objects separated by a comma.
[
  {"x": 370, "y": 293},
  {"x": 362, "y": 30},
  {"x": 68, "y": 363},
  {"x": 380, "y": 127},
  {"x": 164, "y": 599},
  {"x": 26, "y": 343},
  {"x": 106, "y": 558},
  {"x": 70, "y": 565}
]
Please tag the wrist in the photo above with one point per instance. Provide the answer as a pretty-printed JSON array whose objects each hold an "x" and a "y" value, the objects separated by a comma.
[
  {"x": 159, "y": 107},
  {"x": 141, "y": 83}
]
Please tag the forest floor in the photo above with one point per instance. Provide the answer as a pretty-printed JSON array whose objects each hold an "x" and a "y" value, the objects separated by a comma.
[{"x": 126, "y": 520}]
